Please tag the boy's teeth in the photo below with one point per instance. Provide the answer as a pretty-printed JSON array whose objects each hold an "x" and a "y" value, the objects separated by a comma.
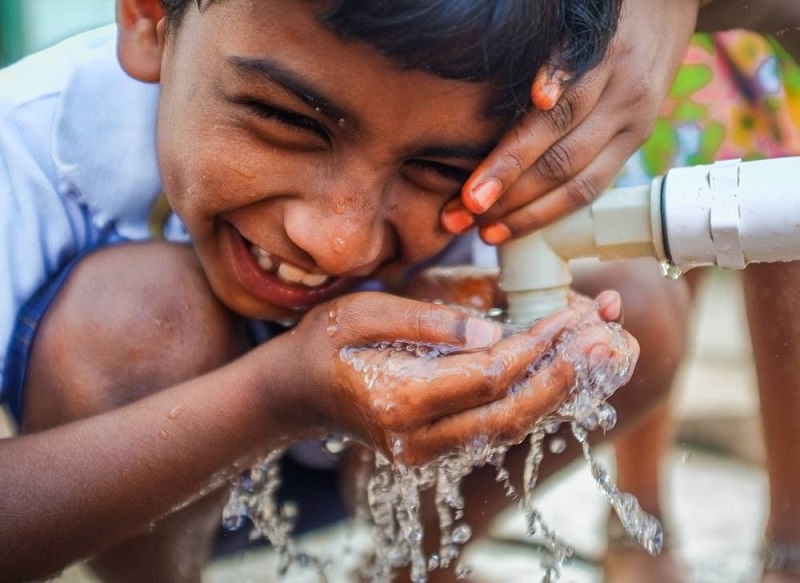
[
  {"x": 264, "y": 262},
  {"x": 314, "y": 279},
  {"x": 286, "y": 272},
  {"x": 290, "y": 273}
]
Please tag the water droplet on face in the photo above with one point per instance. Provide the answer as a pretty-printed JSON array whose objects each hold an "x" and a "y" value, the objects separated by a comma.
[
  {"x": 333, "y": 323},
  {"x": 339, "y": 244},
  {"x": 175, "y": 412},
  {"x": 163, "y": 434},
  {"x": 342, "y": 122}
]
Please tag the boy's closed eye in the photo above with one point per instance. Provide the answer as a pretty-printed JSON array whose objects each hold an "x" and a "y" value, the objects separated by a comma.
[
  {"x": 436, "y": 176},
  {"x": 292, "y": 120},
  {"x": 428, "y": 174}
]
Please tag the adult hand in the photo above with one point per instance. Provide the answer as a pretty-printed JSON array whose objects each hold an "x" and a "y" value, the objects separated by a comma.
[{"x": 571, "y": 144}]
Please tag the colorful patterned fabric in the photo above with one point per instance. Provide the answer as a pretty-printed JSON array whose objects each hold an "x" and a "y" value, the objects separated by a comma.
[{"x": 737, "y": 95}]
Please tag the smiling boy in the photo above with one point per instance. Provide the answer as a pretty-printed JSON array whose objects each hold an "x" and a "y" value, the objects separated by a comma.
[{"x": 305, "y": 147}]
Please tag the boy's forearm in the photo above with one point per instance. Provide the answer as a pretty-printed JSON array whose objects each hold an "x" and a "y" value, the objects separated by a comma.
[{"x": 101, "y": 480}]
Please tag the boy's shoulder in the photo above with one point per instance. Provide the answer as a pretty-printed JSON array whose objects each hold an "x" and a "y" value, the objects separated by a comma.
[
  {"x": 46, "y": 73},
  {"x": 88, "y": 126}
]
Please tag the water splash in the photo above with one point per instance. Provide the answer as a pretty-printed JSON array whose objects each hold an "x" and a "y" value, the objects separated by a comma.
[
  {"x": 393, "y": 491},
  {"x": 253, "y": 498},
  {"x": 670, "y": 270}
]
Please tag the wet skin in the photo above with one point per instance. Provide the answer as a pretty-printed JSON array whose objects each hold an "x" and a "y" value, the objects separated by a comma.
[{"x": 325, "y": 154}]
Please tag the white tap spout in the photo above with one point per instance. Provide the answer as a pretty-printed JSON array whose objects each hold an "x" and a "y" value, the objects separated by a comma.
[{"x": 727, "y": 214}]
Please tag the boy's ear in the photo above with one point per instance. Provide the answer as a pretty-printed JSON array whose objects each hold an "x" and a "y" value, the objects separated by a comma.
[{"x": 141, "y": 38}]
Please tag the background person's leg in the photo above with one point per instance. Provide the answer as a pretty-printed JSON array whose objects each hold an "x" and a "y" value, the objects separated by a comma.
[{"x": 772, "y": 296}]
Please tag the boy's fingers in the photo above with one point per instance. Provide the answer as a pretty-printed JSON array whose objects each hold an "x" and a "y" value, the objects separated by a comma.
[
  {"x": 377, "y": 317},
  {"x": 510, "y": 419},
  {"x": 562, "y": 162},
  {"x": 459, "y": 382},
  {"x": 609, "y": 306},
  {"x": 502, "y": 422}
]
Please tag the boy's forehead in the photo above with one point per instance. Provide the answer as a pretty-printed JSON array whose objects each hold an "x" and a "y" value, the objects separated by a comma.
[{"x": 283, "y": 42}]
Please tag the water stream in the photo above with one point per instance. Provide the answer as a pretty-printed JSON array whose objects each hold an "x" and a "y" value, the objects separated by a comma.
[{"x": 393, "y": 491}]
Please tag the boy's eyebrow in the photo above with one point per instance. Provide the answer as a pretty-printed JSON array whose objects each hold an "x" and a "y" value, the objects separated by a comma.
[
  {"x": 277, "y": 73},
  {"x": 291, "y": 82}
]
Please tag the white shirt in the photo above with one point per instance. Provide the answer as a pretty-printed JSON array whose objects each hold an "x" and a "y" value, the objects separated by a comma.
[{"x": 77, "y": 156}]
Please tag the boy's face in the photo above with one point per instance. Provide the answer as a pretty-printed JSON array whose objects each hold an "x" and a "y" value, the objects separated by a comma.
[{"x": 301, "y": 164}]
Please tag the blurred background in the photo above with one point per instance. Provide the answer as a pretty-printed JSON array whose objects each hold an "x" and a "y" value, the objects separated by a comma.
[{"x": 29, "y": 25}]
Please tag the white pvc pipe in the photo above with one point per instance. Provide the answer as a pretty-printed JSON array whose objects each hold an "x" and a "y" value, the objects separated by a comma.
[
  {"x": 727, "y": 214},
  {"x": 733, "y": 213}
]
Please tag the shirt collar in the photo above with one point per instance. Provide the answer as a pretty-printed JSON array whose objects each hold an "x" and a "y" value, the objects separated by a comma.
[{"x": 105, "y": 141}]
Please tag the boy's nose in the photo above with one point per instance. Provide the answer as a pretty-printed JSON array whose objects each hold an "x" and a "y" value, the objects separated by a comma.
[{"x": 343, "y": 234}]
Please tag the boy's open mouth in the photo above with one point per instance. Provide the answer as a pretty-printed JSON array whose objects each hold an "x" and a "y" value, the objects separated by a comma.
[
  {"x": 275, "y": 280},
  {"x": 286, "y": 271}
]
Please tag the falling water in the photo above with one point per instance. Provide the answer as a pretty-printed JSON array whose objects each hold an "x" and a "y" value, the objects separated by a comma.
[{"x": 393, "y": 491}]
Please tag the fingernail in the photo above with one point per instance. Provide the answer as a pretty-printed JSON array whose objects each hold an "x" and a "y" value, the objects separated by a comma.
[
  {"x": 599, "y": 355},
  {"x": 485, "y": 194},
  {"x": 481, "y": 333},
  {"x": 457, "y": 220},
  {"x": 555, "y": 324},
  {"x": 495, "y": 233},
  {"x": 546, "y": 95},
  {"x": 609, "y": 304}
]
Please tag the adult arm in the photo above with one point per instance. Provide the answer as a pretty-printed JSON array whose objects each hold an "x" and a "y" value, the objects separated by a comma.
[{"x": 553, "y": 161}]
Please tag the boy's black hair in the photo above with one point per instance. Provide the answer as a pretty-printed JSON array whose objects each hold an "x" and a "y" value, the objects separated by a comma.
[{"x": 502, "y": 42}]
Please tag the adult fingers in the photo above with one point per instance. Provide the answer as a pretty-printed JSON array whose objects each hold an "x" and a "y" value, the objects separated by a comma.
[
  {"x": 528, "y": 139},
  {"x": 578, "y": 191}
]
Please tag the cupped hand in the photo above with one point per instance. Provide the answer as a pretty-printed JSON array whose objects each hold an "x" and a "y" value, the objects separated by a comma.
[
  {"x": 571, "y": 144},
  {"x": 362, "y": 375}
]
